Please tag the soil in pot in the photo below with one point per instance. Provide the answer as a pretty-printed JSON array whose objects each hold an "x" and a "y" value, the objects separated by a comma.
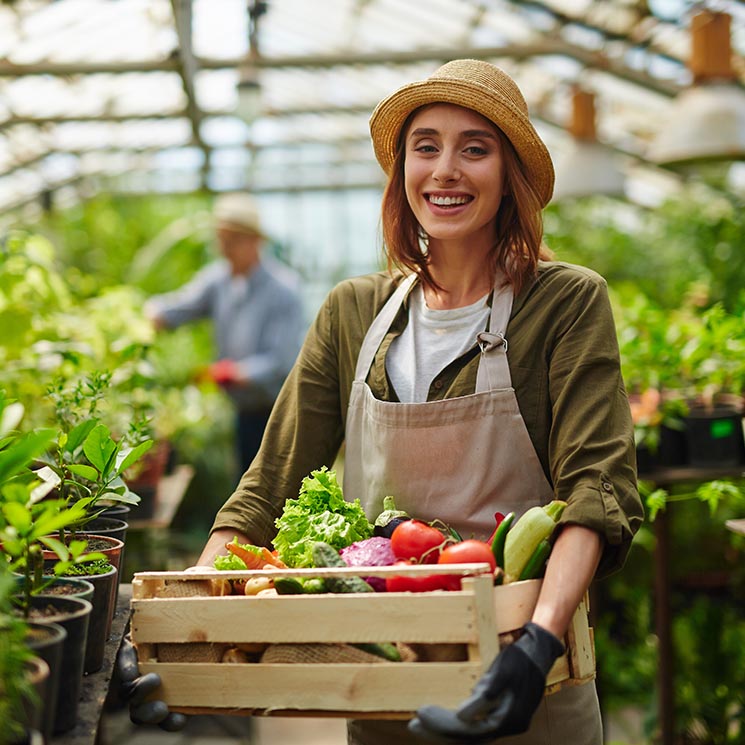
[
  {"x": 46, "y": 640},
  {"x": 62, "y": 586},
  {"x": 110, "y": 527},
  {"x": 73, "y": 615}
]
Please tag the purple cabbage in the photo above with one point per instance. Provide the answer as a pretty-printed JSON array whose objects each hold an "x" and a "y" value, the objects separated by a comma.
[{"x": 372, "y": 552}]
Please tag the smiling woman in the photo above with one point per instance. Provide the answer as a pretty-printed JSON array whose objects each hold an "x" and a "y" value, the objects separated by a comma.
[{"x": 409, "y": 369}]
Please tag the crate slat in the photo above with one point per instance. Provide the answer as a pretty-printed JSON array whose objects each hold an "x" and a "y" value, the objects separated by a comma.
[{"x": 326, "y": 687}]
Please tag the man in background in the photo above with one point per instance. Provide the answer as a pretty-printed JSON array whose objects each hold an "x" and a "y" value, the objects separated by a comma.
[{"x": 257, "y": 313}]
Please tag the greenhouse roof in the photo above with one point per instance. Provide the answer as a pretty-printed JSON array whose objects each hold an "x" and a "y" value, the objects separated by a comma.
[{"x": 141, "y": 95}]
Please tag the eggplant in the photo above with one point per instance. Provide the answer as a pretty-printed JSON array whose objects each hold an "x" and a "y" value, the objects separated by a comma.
[{"x": 387, "y": 521}]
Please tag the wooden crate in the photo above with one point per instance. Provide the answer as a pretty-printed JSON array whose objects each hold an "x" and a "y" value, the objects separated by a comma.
[{"x": 176, "y": 617}]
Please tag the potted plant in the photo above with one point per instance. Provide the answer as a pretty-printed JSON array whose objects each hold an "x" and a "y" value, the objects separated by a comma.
[
  {"x": 713, "y": 363},
  {"x": 23, "y": 676}
]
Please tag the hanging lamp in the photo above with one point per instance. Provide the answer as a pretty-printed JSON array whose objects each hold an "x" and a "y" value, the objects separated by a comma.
[
  {"x": 707, "y": 120},
  {"x": 249, "y": 88},
  {"x": 587, "y": 167}
]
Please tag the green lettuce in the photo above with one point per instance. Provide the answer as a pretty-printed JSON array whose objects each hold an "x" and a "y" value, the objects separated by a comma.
[{"x": 320, "y": 513}]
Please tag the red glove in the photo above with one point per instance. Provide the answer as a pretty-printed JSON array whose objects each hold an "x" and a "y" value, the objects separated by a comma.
[{"x": 223, "y": 372}]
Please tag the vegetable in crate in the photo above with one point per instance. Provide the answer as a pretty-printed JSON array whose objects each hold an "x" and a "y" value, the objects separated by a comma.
[
  {"x": 325, "y": 555},
  {"x": 320, "y": 513},
  {"x": 524, "y": 539},
  {"x": 389, "y": 519},
  {"x": 419, "y": 541},
  {"x": 372, "y": 552}
]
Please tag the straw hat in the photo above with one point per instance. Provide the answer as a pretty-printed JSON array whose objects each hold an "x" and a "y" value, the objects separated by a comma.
[
  {"x": 477, "y": 85},
  {"x": 237, "y": 211}
]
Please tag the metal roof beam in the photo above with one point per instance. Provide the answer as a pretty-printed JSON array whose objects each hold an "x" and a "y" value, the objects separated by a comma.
[
  {"x": 182, "y": 14},
  {"x": 590, "y": 58}
]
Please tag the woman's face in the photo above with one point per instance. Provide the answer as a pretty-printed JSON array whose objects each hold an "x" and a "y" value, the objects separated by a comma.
[{"x": 453, "y": 173}]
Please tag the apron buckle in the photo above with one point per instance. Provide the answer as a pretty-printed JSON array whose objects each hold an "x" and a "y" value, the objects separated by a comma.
[{"x": 488, "y": 341}]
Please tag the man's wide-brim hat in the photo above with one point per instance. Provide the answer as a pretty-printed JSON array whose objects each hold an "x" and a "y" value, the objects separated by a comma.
[
  {"x": 237, "y": 211},
  {"x": 476, "y": 85}
]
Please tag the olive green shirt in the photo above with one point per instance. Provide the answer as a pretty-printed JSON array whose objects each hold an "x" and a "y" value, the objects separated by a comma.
[{"x": 564, "y": 361}]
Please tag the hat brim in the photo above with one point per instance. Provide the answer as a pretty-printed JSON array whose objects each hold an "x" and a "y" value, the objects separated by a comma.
[
  {"x": 391, "y": 113},
  {"x": 236, "y": 227}
]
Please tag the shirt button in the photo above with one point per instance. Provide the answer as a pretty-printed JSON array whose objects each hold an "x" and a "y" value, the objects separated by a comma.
[
  {"x": 438, "y": 384},
  {"x": 607, "y": 486}
]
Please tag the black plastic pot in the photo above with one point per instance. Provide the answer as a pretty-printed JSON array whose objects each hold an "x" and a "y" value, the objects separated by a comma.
[
  {"x": 103, "y": 600},
  {"x": 73, "y": 615},
  {"x": 119, "y": 511},
  {"x": 715, "y": 437},
  {"x": 111, "y": 526},
  {"x": 46, "y": 640},
  {"x": 37, "y": 672}
]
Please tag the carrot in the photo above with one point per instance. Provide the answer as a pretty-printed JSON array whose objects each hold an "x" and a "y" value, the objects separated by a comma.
[{"x": 255, "y": 558}]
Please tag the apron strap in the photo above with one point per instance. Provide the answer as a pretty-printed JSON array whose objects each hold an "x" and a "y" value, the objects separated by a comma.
[
  {"x": 379, "y": 327},
  {"x": 494, "y": 371}
]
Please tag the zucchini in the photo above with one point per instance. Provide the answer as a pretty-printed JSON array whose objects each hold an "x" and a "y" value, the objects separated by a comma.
[{"x": 535, "y": 525}]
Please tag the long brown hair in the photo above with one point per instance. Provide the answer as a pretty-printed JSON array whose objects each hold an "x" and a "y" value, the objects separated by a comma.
[{"x": 519, "y": 243}]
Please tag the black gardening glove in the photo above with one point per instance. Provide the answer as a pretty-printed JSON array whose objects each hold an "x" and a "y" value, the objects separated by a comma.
[
  {"x": 135, "y": 688},
  {"x": 504, "y": 700}
]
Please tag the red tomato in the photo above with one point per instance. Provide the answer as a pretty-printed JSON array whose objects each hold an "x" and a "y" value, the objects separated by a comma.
[
  {"x": 470, "y": 551},
  {"x": 413, "y": 539},
  {"x": 425, "y": 583}
]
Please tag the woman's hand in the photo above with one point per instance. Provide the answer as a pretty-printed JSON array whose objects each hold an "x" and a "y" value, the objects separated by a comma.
[{"x": 504, "y": 700}]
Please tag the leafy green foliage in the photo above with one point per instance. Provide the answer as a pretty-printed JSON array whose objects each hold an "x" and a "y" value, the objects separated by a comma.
[
  {"x": 320, "y": 513},
  {"x": 15, "y": 684}
]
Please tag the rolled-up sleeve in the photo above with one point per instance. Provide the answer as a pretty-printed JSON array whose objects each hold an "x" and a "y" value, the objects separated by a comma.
[{"x": 591, "y": 442}]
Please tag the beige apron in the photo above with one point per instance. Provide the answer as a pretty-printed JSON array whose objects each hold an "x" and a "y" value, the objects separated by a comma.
[{"x": 459, "y": 460}]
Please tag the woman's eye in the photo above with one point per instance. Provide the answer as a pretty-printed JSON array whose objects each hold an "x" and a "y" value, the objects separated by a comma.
[
  {"x": 476, "y": 150},
  {"x": 425, "y": 148}
]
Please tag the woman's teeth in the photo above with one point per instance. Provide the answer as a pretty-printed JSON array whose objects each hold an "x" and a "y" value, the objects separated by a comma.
[{"x": 447, "y": 201}]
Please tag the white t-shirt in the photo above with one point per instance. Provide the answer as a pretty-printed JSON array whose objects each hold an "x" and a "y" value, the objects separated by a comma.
[{"x": 430, "y": 342}]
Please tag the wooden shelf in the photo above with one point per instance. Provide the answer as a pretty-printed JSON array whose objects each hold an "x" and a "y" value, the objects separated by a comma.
[{"x": 95, "y": 688}]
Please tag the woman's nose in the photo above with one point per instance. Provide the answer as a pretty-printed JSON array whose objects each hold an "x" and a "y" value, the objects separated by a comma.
[{"x": 446, "y": 169}]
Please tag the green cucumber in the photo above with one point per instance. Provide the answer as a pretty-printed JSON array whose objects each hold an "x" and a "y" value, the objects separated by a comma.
[
  {"x": 500, "y": 536},
  {"x": 325, "y": 555},
  {"x": 298, "y": 586},
  {"x": 537, "y": 561},
  {"x": 386, "y": 650},
  {"x": 288, "y": 586}
]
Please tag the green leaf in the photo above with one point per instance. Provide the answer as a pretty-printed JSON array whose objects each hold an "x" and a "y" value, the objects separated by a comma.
[
  {"x": 78, "y": 435},
  {"x": 18, "y": 516},
  {"x": 11, "y": 417},
  {"x": 20, "y": 454},
  {"x": 54, "y": 544},
  {"x": 134, "y": 455},
  {"x": 87, "y": 472},
  {"x": 656, "y": 501},
  {"x": 99, "y": 448}
]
